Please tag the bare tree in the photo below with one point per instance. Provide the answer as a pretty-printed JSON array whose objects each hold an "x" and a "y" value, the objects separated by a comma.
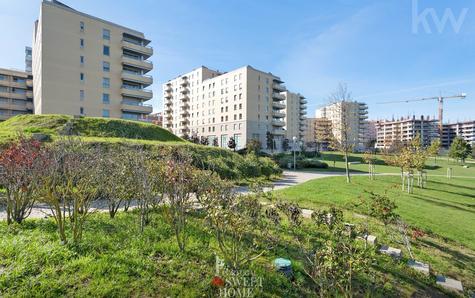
[{"x": 343, "y": 139}]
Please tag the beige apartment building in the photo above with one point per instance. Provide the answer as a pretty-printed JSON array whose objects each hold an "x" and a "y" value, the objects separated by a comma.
[
  {"x": 244, "y": 104},
  {"x": 16, "y": 93},
  {"x": 353, "y": 113},
  {"x": 295, "y": 111},
  {"x": 406, "y": 129},
  {"x": 84, "y": 65}
]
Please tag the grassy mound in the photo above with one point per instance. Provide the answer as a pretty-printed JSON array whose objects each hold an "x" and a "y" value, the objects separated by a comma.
[{"x": 85, "y": 126}]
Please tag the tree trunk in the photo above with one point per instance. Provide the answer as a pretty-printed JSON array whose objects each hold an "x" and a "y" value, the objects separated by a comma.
[{"x": 347, "y": 168}]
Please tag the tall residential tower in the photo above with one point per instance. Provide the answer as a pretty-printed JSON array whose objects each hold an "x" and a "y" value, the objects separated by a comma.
[{"x": 84, "y": 65}]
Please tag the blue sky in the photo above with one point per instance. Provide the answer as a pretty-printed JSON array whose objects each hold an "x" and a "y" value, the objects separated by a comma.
[{"x": 371, "y": 45}]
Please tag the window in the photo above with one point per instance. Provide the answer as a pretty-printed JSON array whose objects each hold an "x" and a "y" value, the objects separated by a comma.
[
  {"x": 106, "y": 34},
  {"x": 106, "y": 50},
  {"x": 81, "y": 26},
  {"x": 3, "y": 78},
  {"x": 81, "y": 60},
  {"x": 105, "y": 113},
  {"x": 106, "y": 66},
  {"x": 106, "y": 83},
  {"x": 81, "y": 76},
  {"x": 81, "y": 95},
  {"x": 105, "y": 98},
  {"x": 81, "y": 111},
  {"x": 81, "y": 43}
]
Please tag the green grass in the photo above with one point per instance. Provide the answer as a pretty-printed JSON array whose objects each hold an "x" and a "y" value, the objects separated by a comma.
[
  {"x": 115, "y": 260},
  {"x": 53, "y": 125}
]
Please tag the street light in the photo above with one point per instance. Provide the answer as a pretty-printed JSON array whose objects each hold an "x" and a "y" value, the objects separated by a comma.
[{"x": 295, "y": 140}]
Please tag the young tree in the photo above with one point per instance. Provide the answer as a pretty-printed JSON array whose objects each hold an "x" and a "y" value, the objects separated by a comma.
[
  {"x": 20, "y": 165},
  {"x": 253, "y": 147},
  {"x": 232, "y": 144},
  {"x": 179, "y": 185},
  {"x": 285, "y": 145},
  {"x": 344, "y": 141},
  {"x": 434, "y": 148},
  {"x": 370, "y": 159},
  {"x": 204, "y": 141},
  {"x": 69, "y": 184},
  {"x": 270, "y": 141},
  {"x": 460, "y": 149}
]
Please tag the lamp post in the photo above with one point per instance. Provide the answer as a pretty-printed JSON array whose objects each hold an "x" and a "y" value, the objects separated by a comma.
[{"x": 295, "y": 140}]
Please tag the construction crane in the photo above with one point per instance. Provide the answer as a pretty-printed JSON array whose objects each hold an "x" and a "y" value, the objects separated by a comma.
[{"x": 440, "y": 100}]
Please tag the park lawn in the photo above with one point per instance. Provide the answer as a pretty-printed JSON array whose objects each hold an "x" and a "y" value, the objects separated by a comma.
[
  {"x": 115, "y": 260},
  {"x": 445, "y": 207},
  {"x": 434, "y": 166}
]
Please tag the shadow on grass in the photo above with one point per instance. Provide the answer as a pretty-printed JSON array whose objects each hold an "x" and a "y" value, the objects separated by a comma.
[
  {"x": 461, "y": 260},
  {"x": 435, "y": 201},
  {"x": 453, "y": 185}
]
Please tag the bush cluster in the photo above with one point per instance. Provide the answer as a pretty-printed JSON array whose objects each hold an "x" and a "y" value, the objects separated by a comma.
[{"x": 302, "y": 161}]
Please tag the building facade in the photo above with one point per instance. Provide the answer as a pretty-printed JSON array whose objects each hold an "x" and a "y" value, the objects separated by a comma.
[
  {"x": 244, "y": 104},
  {"x": 406, "y": 129},
  {"x": 16, "y": 93},
  {"x": 345, "y": 115},
  {"x": 465, "y": 130},
  {"x": 310, "y": 136},
  {"x": 295, "y": 111},
  {"x": 83, "y": 65},
  {"x": 156, "y": 118}
]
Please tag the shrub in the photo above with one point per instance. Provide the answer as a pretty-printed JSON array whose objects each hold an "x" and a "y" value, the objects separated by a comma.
[{"x": 311, "y": 163}]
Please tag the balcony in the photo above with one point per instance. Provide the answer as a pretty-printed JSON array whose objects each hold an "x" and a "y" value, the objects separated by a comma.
[
  {"x": 185, "y": 91},
  {"x": 278, "y": 132},
  {"x": 15, "y": 107},
  {"x": 185, "y": 106},
  {"x": 138, "y": 93},
  {"x": 137, "y": 78},
  {"x": 278, "y": 123},
  {"x": 168, "y": 103},
  {"x": 13, "y": 95},
  {"x": 278, "y": 105},
  {"x": 184, "y": 97},
  {"x": 276, "y": 114},
  {"x": 185, "y": 113},
  {"x": 303, "y": 100},
  {"x": 29, "y": 94},
  {"x": 168, "y": 110},
  {"x": 278, "y": 97},
  {"x": 29, "y": 106},
  {"x": 136, "y": 107},
  {"x": 302, "y": 117},
  {"x": 135, "y": 62},
  {"x": 144, "y": 50},
  {"x": 29, "y": 83},
  {"x": 184, "y": 122},
  {"x": 169, "y": 88},
  {"x": 279, "y": 87},
  {"x": 168, "y": 96},
  {"x": 5, "y": 116},
  {"x": 184, "y": 82},
  {"x": 13, "y": 84}
]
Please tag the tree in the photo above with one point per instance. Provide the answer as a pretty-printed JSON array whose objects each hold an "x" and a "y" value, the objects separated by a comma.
[
  {"x": 344, "y": 141},
  {"x": 285, "y": 145},
  {"x": 179, "y": 185},
  {"x": 270, "y": 141},
  {"x": 460, "y": 149},
  {"x": 215, "y": 142},
  {"x": 370, "y": 159},
  {"x": 253, "y": 147},
  {"x": 20, "y": 165},
  {"x": 232, "y": 144},
  {"x": 204, "y": 141},
  {"x": 69, "y": 184},
  {"x": 434, "y": 148},
  {"x": 195, "y": 139}
]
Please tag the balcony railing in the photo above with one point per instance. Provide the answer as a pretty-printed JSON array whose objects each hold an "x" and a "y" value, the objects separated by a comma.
[
  {"x": 277, "y": 96},
  {"x": 136, "y": 47},
  {"x": 136, "y": 77},
  {"x": 278, "y": 123},
  {"x": 278, "y": 105},
  {"x": 136, "y": 92},
  {"x": 136, "y": 107},
  {"x": 278, "y": 114},
  {"x": 279, "y": 87},
  {"x": 137, "y": 62},
  {"x": 278, "y": 132}
]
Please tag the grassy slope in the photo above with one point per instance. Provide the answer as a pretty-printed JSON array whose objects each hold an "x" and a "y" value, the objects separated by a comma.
[
  {"x": 86, "y": 127},
  {"x": 114, "y": 259}
]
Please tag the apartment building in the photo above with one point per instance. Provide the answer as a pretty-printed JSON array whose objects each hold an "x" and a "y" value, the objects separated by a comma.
[
  {"x": 16, "y": 93},
  {"x": 465, "y": 130},
  {"x": 244, "y": 104},
  {"x": 295, "y": 111},
  {"x": 84, "y": 65},
  {"x": 310, "y": 136},
  {"x": 353, "y": 114},
  {"x": 406, "y": 129},
  {"x": 156, "y": 118}
]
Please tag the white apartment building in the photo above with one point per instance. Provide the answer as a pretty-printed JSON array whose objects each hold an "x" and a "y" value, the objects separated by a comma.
[
  {"x": 295, "y": 111},
  {"x": 244, "y": 104},
  {"x": 16, "y": 93},
  {"x": 353, "y": 113},
  {"x": 84, "y": 65},
  {"x": 465, "y": 130},
  {"x": 405, "y": 129}
]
